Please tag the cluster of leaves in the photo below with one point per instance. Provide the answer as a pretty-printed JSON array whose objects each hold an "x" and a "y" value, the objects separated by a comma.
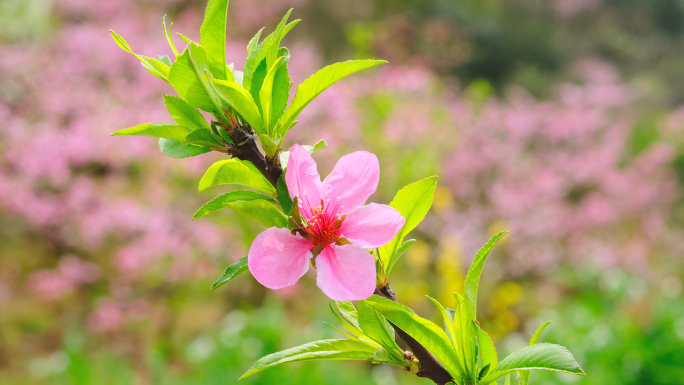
[{"x": 254, "y": 100}]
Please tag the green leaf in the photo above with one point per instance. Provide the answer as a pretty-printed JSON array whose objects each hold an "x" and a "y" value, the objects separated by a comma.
[
  {"x": 281, "y": 87},
  {"x": 540, "y": 356},
  {"x": 373, "y": 325},
  {"x": 351, "y": 337},
  {"x": 412, "y": 202},
  {"x": 525, "y": 374},
  {"x": 285, "y": 155},
  {"x": 258, "y": 81},
  {"x": 352, "y": 328},
  {"x": 235, "y": 171},
  {"x": 382, "y": 356},
  {"x": 398, "y": 253},
  {"x": 261, "y": 210},
  {"x": 231, "y": 272},
  {"x": 283, "y": 194},
  {"x": 453, "y": 332},
  {"x": 184, "y": 114},
  {"x": 213, "y": 36},
  {"x": 185, "y": 38},
  {"x": 469, "y": 304},
  {"x": 202, "y": 137},
  {"x": 424, "y": 331},
  {"x": 186, "y": 78},
  {"x": 487, "y": 350},
  {"x": 348, "y": 311},
  {"x": 318, "y": 350},
  {"x": 241, "y": 101},
  {"x": 178, "y": 150},
  {"x": 169, "y": 36},
  {"x": 266, "y": 94},
  {"x": 165, "y": 59},
  {"x": 157, "y": 130},
  {"x": 220, "y": 202},
  {"x": 154, "y": 66},
  {"x": 316, "y": 84},
  {"x": 253, "y": 49}
]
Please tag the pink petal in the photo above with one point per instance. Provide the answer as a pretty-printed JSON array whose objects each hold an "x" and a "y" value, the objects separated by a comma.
[
  {"x": 354, "y": 179},
  {"x": 278, "y": 259},
  {"x": 346, "y": 273},
  {"x": 302, "y": 178},
  {"x": 372, "y": 225}
]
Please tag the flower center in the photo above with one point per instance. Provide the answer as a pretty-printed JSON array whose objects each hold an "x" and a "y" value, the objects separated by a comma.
[{"x": 322, "y": 223}]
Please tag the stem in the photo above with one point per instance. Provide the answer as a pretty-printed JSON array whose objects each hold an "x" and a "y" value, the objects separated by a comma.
[
  {"x": 247, "y": 147},
  {"x": 430, "y": 367}
]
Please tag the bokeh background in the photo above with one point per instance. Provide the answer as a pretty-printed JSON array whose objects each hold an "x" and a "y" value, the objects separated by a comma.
[{"x": 561, "y": 121}]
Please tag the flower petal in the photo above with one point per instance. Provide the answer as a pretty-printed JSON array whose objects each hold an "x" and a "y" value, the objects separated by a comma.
[
  {"x": 302, "y": 179},
  {"x": 278, "y": 259},
  {"x": 372, "y": 225},
  {"x": 354, "y": 179},
  {"x": 346, "y": 273}
]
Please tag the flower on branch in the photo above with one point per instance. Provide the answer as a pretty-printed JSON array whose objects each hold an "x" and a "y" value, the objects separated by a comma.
[{"x": 335, "y": 229}]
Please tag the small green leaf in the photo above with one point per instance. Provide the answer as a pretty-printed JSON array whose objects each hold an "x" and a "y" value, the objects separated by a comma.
[
  {"x": 281, "y": 87},
  {"x": 487, "y": 350},
  {"x": 413, "y": 203},
  {"x": 179, "y": 150},
  {"x": 185, "y": 38},
  {"x": 231, "y": 272},
  {"x": 453, "y": 332},
  {"x": 219, "y": 202},
  {"x": 213, "y": 36},
  {"x": 261, "y": 210},
  {"x": 348, "y": 311},
  {"x": 525, "y": 374},
  {"x": 154, "y": 66},
  {"x": 240, "y": 100},
  {"x": 318, "y": 350},
  {"x": 266, "y": 94},
  {"x": 352, "y": 328},
  {"x": 398, "y": 253},
  {"x": 168, "y": 36},
  {"x": 424, "y": 331},
  {"x": 315, "y": 85},
  {"x": 165, "y": 59},
  {"x": 235, "y": 171},
  {"x": 283, "y": 194},
  {"x": 285, "y": 155},
  {"x": 157, "y": 130},
  {"x": 203, "y": 137},
  {"x": 373, "y": 325},
  {"x": 253, "y": 49},
  {"x": 258, "y": 81},
  {"x": 539, "y": 356},
  {"x": 186, "y": 77},
  {"x": 184, "y": 114},
  {"x": 382, "y": 356}
]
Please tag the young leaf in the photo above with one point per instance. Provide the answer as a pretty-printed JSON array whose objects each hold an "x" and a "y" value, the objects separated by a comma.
[
  {"x": 398, "y": 253},
  {"x": 168, "y": 36},
  {"x": 202, "y": 137},
  {"x": 237, "y": 97},
  {"x": 348, "y": 311},
  {"x": 382, "y": 356},
  {"x": 469, "y": 304},
  {"x": 261, "y": 211},
  {"x": 540, "y": 356},
  {"x": 424, "y": 331},
  {"x": 281, "y": 87},
  {"x": 231, "y": 272},
  {"x": 257, "y": 82},
  {"x": 318, "y": 350},
  {"x": 186, "y": 77},
  {"x": 235, "y": 171},
  {"x": 220, "y": 202},
  {"x": 285, "y": 155},
  {"x": 413, "y": 203},
  {"x": 185, "y": 38},
  {"x": 154, "y": 66},
  {"x": 184, "y": 114},
  {"x": 315, "y": 85},
  {"x": 213, "y": 36},
  {"x": 179, "y": 150},
  {"x": 157, "y": 130},
  {"x": 487, "y": 350},
  {"x": 453, "y": 332},
  {"x": 351, "y": 337},
  {"x": 266, "y": 94},
  {"x": 353, "y": 329},
  {"x": 165, "y": 59},
  {"x": 253, "y": 49},
  {"x": 525, "y": 374},
  {"x": 373, "y": 325},
  {"x": 283, "y": 194}
]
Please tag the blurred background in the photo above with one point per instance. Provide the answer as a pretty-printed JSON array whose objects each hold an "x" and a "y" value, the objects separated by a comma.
[{"x": 561, "y": 121}]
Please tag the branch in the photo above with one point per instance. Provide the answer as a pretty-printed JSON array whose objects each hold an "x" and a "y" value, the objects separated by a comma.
[
  {"x": 247, "y": 147},
  {"x": 430, "y": 367}
]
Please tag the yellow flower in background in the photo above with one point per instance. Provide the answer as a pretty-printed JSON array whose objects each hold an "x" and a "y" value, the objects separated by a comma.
[{"x": 451, "y": 274}]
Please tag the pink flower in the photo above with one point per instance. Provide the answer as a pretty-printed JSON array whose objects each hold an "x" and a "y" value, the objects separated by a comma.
[{"x": 337, "y": 228}]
